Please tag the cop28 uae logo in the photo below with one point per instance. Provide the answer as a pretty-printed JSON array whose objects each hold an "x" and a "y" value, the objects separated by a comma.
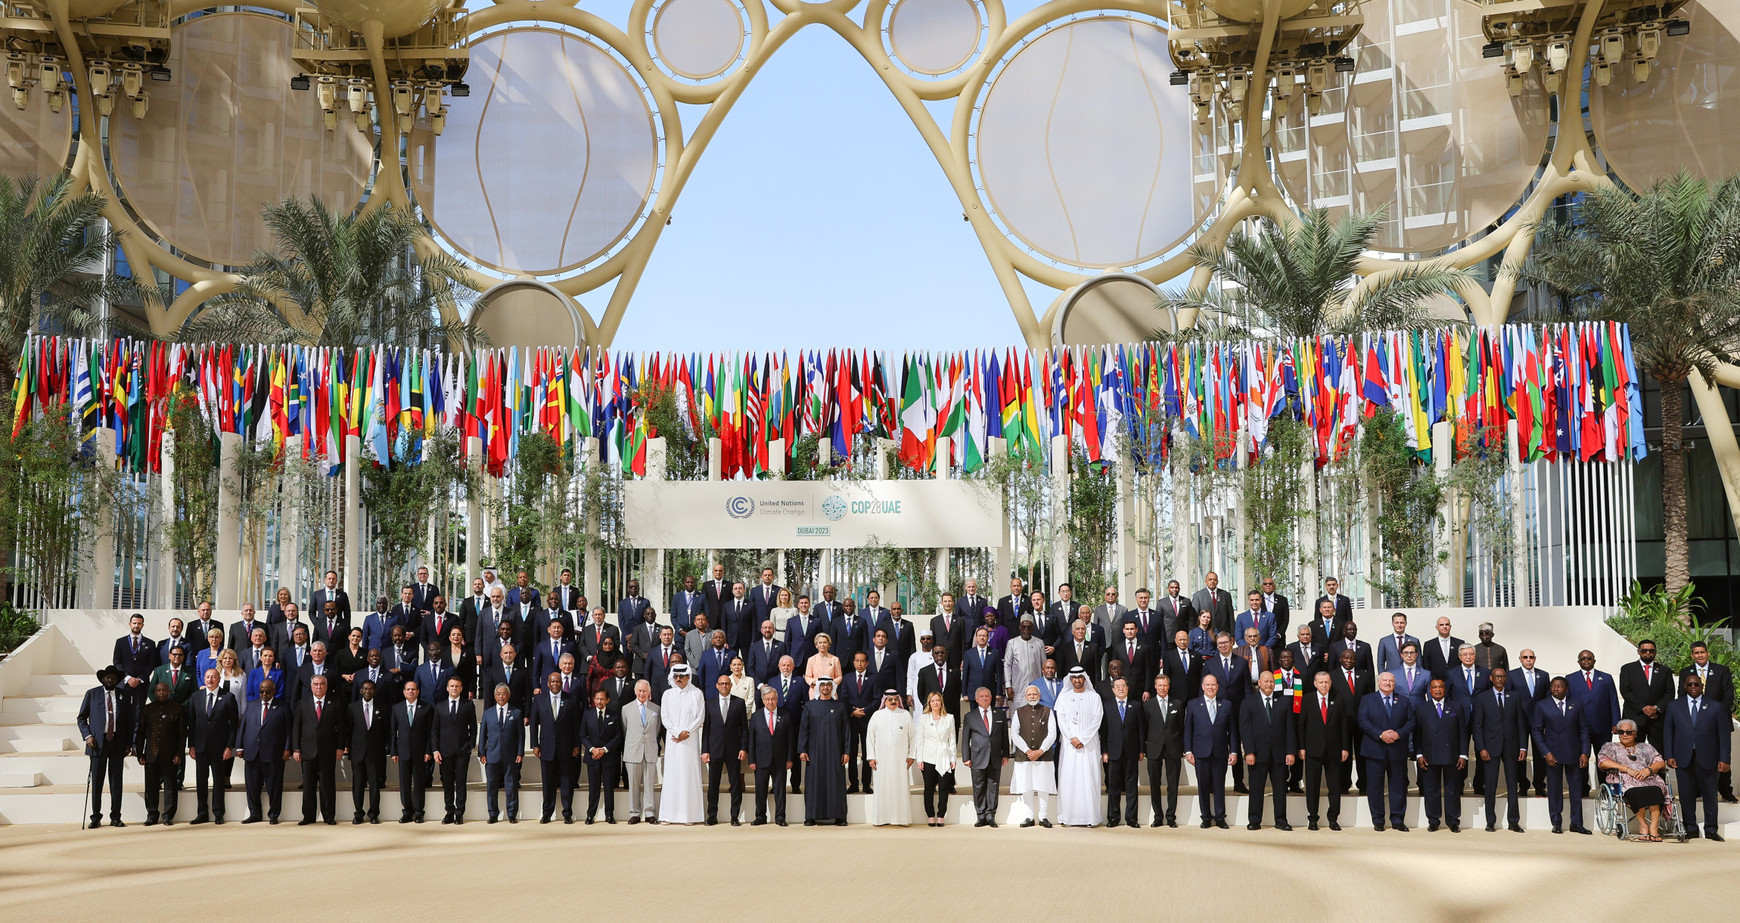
[
  {"x": 740, "y": 507},
  {"x": 834, "y": 507}
]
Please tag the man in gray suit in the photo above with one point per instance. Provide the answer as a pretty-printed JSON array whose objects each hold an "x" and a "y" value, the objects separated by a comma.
[
  {"x": 1109, "y": 615},
  {"x": 984, "y": 750},
  {"x": 1216, "y": 602},
  {"x": 501, "y": 748},
  {"x": 697, "y": 640},
  {"x": 640, "y": 752}
]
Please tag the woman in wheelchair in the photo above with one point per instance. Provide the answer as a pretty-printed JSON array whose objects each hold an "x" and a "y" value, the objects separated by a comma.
[{"x": 1636, "y": 768}]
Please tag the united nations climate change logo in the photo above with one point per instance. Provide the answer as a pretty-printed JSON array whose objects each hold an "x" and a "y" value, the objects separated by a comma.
[
  {"x": 834, "y": 507},
  {"x": 740, "y": 507}
]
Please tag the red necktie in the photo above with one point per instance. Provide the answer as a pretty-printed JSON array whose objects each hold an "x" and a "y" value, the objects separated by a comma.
[
  {"x": 770, "y": 722},
  {"x": 1350, "y": 681},
  {"x": 1323, "y": 706},
  {"x": 317, "y": 710}
]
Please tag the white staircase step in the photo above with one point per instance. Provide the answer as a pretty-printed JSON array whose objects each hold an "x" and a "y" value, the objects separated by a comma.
[
  {"x": 9, "y": 779},
  {"x": 40, "y": 741},
  {"x": 58, "y": 685}
]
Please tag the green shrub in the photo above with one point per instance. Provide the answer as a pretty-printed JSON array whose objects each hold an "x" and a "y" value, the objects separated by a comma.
[{"x": 1672, "y": 621}]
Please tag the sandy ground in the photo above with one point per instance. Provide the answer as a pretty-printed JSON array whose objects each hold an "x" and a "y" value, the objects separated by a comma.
[{"x": 61, "y": 873}]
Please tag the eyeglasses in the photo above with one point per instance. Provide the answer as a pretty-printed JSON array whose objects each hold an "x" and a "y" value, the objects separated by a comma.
[{"x": 1625, "y": 733}]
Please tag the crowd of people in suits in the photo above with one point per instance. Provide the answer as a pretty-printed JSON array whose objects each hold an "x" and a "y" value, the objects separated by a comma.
[{"x": 832, "y": 698}]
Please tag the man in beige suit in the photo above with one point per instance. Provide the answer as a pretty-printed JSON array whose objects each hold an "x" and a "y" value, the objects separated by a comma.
[{"x": 640, "y": 753}]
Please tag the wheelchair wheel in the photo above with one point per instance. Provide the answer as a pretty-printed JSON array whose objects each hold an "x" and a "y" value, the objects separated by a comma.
[{"x": 1607, "y": 817}]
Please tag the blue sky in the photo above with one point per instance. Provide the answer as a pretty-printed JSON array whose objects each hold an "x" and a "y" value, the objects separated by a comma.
[{"x": 816, "y": 217}]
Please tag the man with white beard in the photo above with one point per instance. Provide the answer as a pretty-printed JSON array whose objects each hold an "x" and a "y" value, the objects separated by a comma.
[
  {"x": 890, "y": 745},
  {"x": 1079, "y": 711},
  {"x": 682, "y": 710},
  {"x": 1032, "y": 732},
  {"x": 1023, "y": 660}
]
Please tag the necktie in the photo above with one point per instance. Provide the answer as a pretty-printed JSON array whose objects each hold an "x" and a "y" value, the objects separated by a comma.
[
  {"x": 1501, "y": 701},
  {"x": 210, "y": 703},
  {"x": 1469, "y": 673},
  {"x": 1589, "y": 678},
  {"x": 319, "y": 705},
  {"x": 1268, "y": 712},
  {"x": 501, "y": 715},
  {"x": 109, "y": 719},
  {"x": 1121, "y": 709},
  {"x": 1694, "y": 708},
  {"x": 368, "y": 716},
  {"x": 1440, "y": 709},
  {"x": 453, "y": 708},
  {"x": 411, "y": 713},
  {"x": 265, "y": 708},
  {"x": 1132, "y": 649},
  {"x": 601, "y": 718},
  {"x": 174, "y": 678},
  {"x": 1323, "y": 708},
  {"x": 1646, "y": 673},
  {"x": 1211, "y": 711},
  {"x": 985, "y": 716},
  {"x": 1561, "y": 708},
  {"x": 643, "y": 717},
  {"x": 1410, "y": 679},
  {"x": 1388, "y": 703}
]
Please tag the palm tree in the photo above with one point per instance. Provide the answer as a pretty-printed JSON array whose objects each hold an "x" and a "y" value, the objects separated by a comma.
[
  {"x": 1300, "y": 280},
  {"x": 343, "y": 280},
  {"x": 1668, "y": 264},
  {"x": 49, "y": 243}
]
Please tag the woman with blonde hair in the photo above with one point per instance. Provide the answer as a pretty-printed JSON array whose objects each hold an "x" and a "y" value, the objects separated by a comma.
[
  {"x": 937, "y": 752},
  {"x": 822, "y": 663},
  {"x": 780, "y": 613},
  {"x": 208, "y": 658}
]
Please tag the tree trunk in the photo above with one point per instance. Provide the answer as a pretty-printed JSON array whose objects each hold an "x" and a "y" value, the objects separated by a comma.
[{"x": 1673, "y": 483}]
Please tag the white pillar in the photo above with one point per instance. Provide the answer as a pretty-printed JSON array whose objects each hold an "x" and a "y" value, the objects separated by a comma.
[
  {"x": 289, "y": 527},
  {"x": 591, "y": 565},
  {"x": 474, "y": 527},
  {"x": 98, "y": 591},
  {"x": 776, "y": 461},
  {"x": 715, "y": 472},
  {"x": 1186, "y": 571},
  {"x": 1059, "y": 511},
  {"x": 1519, "y": 547},
  {"x": 1448, "y": 569},
  {"x": 1311, "y": 575},
  {"x": 353, "y": 525},
  {"x": 229, "y": 548},
  {"x": 825, "y": 451},
  {"x": 1723, "y": 446},
  {"x": 1242, "y": 525},
  {"x": 657, "y": 468},
  {"x": 163, "y": 580},
  {"x": 1129, "y": 576}
]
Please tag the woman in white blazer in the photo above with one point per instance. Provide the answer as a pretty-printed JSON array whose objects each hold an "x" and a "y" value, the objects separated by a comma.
[{"x": 937, "y": 752}]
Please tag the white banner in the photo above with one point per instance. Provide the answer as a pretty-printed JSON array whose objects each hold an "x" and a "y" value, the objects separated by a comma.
[{"x": 812, "y": 514}]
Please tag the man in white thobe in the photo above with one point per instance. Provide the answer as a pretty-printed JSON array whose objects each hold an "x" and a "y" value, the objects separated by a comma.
[
  {"x": 1079, "y": 710},
  {"x": 682, "y": 710},
  {"x": 1023, "y": 660},
  {"x": 920, "y": 659},
  {"x": 890, "y": 744},
  {"x": 1032, "y": 732}
]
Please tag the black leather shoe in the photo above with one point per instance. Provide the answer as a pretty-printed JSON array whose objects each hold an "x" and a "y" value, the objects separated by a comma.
[
  {"x": 1311, "y": 826},
  {"x": 1206, "y": 823},
  {"x": 458, "y": 819},
  {"x": 305, "y": 822},
  {"x": 568, "y": 820},
  {"x": 1240, "y": 789},
  {"x": 541, "y": 820},
  {"x": 201, "y": 819},
  {"x": 634, "y": 820},
  {"x": 869, "y": 791},
  {"x": 1221, "y": 824},
  {"x": 1713, "y": 837},
  {"x": 588, "y": 821},
  {"x": 1432, "y": 827},
  {"x": 1334, "y": 825},
  {"x": 1579, "y": 828},
  {"x": 1691, "y": 833},
  {"x": 1728, "y": 798},
  {"x": 990, "y": 823},
  {"x": 1027, "y": 823},
  {"x": 851, "y": 789},
  {"x": 1401, "y": 827},
  {"x": 1253, "y": 826},
  {"x": 736, "y": 823},
  {"x": 1156, "y": 822},
  {"x": 1558, "y": 829},
  {"x": 261, "y": 820},
  {"x": 513, "y": 819},
  {"x": 779, "y": 823},
  {"x": 1046, "y": 824},
  {"x": 1112, "y": 822},
  {"x": 809, "y": 823},
  {"x": 1455, "y": 828},
  {"x": 1172, "y": 822},
  {"x": 842, "y": 822},
  {"x": 116, "y": 822},
  {"x": 981, "y": 821},
  {"x": 1491, "y": 827},
  {"x": 1283, "y": 825},
  {"x": 150, "y": 821},
  {"x": 712, "y": 821},
  {"x": 372, "y": 820},
  {"x": 758, "y": 822},
  {"x": 490, "y": 821},
  {"x": 1514, "y": 828}
]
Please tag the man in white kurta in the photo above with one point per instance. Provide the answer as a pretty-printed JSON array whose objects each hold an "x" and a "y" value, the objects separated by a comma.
[
  {"x": 682, "y": 709},
  {"x": 1078, "y": 714},
  {"x": 1032, "y": 732},
  {"x": 890, "y": 745},
  {"x": 1023, "y": 660},
  {"x": 920, "y": 659}
]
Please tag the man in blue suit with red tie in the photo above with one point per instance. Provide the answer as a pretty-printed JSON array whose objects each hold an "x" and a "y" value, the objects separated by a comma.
[
  {"x": 1598, "y": 695},
  {"x": 1387, "y": 721},
  {"x": 1562, "y": 733},
  {"x": 1697, "y": 736}
]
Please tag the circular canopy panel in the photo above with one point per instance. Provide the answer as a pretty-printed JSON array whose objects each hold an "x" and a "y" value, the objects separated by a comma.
[
  {"x": 228, "y": 137},
  {"x": 1117, "y": 308},
  {"x": 1426, "y": 130},
  {"x": 33, "y": 140},
  {"x": 397, "y": 17},
  {"x": 699, "y": 39},
  {"x": 1083, "y": 149},
  {"x": 1687, "y": 114},
  {"x": 1252, "y": 10},
  {"x": 528, "y": 314},
  {"x": 548, "y": 164},
  {"x": 934, "y": 37}
]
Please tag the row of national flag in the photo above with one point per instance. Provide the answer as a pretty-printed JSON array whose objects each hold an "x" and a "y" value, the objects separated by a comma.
[{"x": 1572, "y": 389}]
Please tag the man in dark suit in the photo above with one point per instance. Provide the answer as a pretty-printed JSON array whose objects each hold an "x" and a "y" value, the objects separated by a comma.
[
  {"x": 714, "y": 596},
  {"x": 438, "y": 623},
  {"x": 902, "y": 636},
  {"x": 263, "y": 745},
  {"x": 330, "y": 628},
  {"x": 970, "y": 606},
  {"x": 1267, "y": 733},
  {"x": 212, "y": 717},
  {"x": 861, "y": 693},
  {"x": 106, "y": 723},
  {"x": 1463, "y": 682},
  {"x": 601, "y": 737},
  {"x": 432, "y": 675},
  {"x": 1647, "y": 688},
  {"x": 1137, "y": 656},
  {"x": 1532, "y": 684},
  {"x": 641, "y": 636},
  {"x": 161, "y": 744},
  {"x": 1046, "y": 627},
  {"x": 1150, "y": 627},
  {"x": 201, "y": 626},
  {"x": 522, "y": 593},
  {"x": 369, "y": 727},
  {"x": 502, "y": 668},
  {"x": 740, "y": 618},
  {"x": 1309, "y": 656},
  {"x": 770, "y": 732},
  {"x": 1211, "y": 741},
  {"x": 1350, "y": 685},
  {"x": 137, "y": 656},
  {"x": 1698, "y": 735},
  {"x": 1386, "y": 722},
  {"x": 1440, "y": 735},
  {"x": 1718, "y": 682},
  {"x": 1561, "y": 732},
  {"x": 242, "y": 630},
  {"x": 408, "y": 613},
  {"x": 1276, "y": 605},
  {"x": 501, "y": 750},
  {"x": 451, "y": 738},
  {"x": 408, "y": 743},
  {"x": 951, "y": 631},
  {"x": 423, "y": 594},
  {"x": 1501, "y": 733},
  {"x": 1079, "y": 650},
  {"x": 378, "y": 626},
  {"x": 981, "y": 668},
  {"x": 850, "y": 632},
  {"x": 660, "y": 658},
  {"x": 1340, "y": 606},
  {"x": 1324, "y": 729},
  {"x": 552, "y": 646},
  {"x": 317, "y": 738},
  {"x": 556, "y": 742},
  {"x": 1010, "y": 608},
  {"x": 471, "y": 607},
  {"x": 1349, "y": 641},
  {"x": 632, "y": 604},
  {"x": 724, "y": 747},
  {"x": 765, "y": 599},
  {"x": 565, "y": 595},
  {"x": 1215, "y": 601},
  {"x": 1180, "y": 664},
  {"x": 1230, "y": 670},
  {"x": 984, "y": 750},
  {"x": 1438, "y": 653},
  {"x": 1176, "y": 614},
  {"x": 596, "y": 631},
  {"x": 319, "y": 664},
  {"x": 1163, "y": 745},
  {"x": 886, "y": 666},
  {"x": 1325, "y": 625},
  {"x": 1121, "y": 750},
  {"x": 687, "y": 603},
  {"x": 940, "y": 677},
  {"x": 329, "y": 592},
  {"x": 1599, "y": 695},
  {"x": 176, "y": 639}
]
